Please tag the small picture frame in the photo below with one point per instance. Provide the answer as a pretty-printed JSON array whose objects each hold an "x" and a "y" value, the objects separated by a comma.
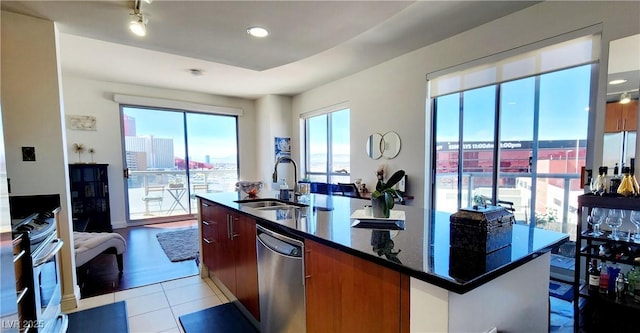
[
  {"x": 282, "y": 147},
  {"x": 28, "y": 154},
  {"x": 82, "y": 123}
]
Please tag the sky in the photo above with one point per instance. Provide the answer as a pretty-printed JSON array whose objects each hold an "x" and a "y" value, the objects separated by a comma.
[
  {"x": 211, "y": 135},
  {"x": 564, "y": 99},
  {"x": 564, "y": 102}
]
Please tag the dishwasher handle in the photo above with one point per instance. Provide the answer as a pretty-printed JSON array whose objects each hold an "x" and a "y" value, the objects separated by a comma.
[{"x": 280, "y": 244}]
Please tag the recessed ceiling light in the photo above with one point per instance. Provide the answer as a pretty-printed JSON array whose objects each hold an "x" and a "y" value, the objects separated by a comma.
[
  {"x": 258, "y": 32},
  {"x": 619, "y": 81}
]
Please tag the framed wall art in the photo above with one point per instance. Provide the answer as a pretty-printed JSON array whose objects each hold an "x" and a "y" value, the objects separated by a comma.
[
  {"x": 282, "y": 147},
  {"x": 83, "y": 123}
]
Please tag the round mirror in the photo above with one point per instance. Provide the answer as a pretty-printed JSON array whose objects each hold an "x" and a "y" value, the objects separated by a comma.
[
  {"x": 374, "y": 146},
  {"x": 392, "y": 144}
]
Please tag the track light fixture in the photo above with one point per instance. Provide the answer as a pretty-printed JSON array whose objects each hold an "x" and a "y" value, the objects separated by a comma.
[
  {"x": 138, "y": 23},
  {"x": 625, "y": 98}
]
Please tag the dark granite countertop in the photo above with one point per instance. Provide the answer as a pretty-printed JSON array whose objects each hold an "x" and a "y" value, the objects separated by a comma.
[{"x": 421, "y": 250}]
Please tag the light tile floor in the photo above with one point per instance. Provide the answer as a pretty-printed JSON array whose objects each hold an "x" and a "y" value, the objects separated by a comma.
[{"x": 156, "y": 308}]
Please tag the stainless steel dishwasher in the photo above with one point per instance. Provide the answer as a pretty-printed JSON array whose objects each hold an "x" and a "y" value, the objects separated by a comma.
[{"x": 280, "y": 283}]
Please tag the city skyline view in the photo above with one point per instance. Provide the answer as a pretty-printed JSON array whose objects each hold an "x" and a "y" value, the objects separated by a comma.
[{"x": 202, "y": 129}]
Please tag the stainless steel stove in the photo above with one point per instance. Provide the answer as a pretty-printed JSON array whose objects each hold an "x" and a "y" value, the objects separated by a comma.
[
  {"x": 39, "y": 225},
  {"x": 33, "y": 218}
]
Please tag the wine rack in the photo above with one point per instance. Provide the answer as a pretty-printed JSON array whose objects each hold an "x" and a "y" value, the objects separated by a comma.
[{"x": 595, "y": 312}]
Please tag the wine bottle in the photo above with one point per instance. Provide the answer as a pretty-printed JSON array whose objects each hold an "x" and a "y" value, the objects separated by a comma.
[
  {"x": 626, "y": 187},
  {"x": 594, "y": 277},
  {"x": 604, "y": 279},
  {"x": 615, "y": 180},
  {"x": 634, "y": 180}
]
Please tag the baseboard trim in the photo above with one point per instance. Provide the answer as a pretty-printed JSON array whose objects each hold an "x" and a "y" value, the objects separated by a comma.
[{"x": 70, "y": 301}]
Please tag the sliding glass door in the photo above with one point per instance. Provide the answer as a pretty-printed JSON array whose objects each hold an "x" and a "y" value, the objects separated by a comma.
[{"x": 171, "y": 155}]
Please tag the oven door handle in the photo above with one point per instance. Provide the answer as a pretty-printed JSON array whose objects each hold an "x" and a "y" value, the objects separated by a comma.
[{"x": 52, "y": 253}]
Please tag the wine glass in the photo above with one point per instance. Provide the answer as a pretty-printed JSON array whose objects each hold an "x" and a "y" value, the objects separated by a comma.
[
  {"x": 614, "y": 221},
  {"x": 634, "y": 217},
  {"x": 595, "y": 219}
]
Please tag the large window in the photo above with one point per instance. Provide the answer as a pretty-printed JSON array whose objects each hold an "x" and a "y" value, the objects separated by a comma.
[
  {"x": 327, "y": 147},
  {"x": 520, "y": 141},
  {"x": 172, "y": 155}
]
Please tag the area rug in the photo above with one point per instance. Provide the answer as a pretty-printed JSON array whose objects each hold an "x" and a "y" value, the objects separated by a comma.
[
  {"x": 179, "y": 245},
  {"x": 108, "y": 318},
  {"x": 561, "y": 290},
  {"x": 225, "y": 318}
]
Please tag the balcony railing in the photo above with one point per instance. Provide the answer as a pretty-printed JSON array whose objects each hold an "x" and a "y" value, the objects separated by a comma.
[
  {"x": 555, "y": 202},
  {"x": 162, "y": 193}
]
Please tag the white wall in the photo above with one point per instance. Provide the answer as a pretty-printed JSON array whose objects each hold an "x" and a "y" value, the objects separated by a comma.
[
  {"x": 95, "y": 98},
  {"x": 273, "y": 120},
  {"x": 32, "y": 116},
  {"x": 392, "y": 95}
]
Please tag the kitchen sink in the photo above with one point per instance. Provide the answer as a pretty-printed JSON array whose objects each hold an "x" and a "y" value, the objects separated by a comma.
[
  {"x": 277, "y": 207},
  {"x": 261, "y": 203},
  {"x": 268, "y": 204}
]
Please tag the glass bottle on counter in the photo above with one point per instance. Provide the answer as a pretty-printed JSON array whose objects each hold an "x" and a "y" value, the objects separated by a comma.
[
  {"x": 601, "y": 181},
  {"x": 615, "y": 180},
  {"x": 619, "y": 287},
  {"x": 626, "y": 188},
  {"x": 634, "y": 180},
  {"x": 604, "y": 278},
  {"x": 613, "y": 272},
  {"x": 594, "y": 277},
  {"x": 633, "y": 276}
]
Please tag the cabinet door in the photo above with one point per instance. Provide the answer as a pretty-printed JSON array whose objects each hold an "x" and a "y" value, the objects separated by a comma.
[
  {"x": 347, "y": 294},
  {"x": 225, "y": 251},
  {"x": 89, "y": 186},
  {"x": 630, "y": 116},
  {"x": 613, "y": 118},
  {"x": 244, "y": 237}
]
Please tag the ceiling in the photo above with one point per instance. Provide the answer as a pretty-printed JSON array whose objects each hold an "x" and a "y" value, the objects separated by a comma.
[
  {"x": 311, "y": 42},
  {"x": 624, "y": 63}
]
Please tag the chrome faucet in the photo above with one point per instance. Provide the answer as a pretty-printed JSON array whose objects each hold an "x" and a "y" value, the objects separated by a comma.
[{"x": 295, "y": 170}]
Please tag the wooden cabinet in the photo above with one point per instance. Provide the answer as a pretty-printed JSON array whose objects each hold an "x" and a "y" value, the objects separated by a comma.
[
  {"x": 209, "y": 237},
  {"x": 621, "y": 117},
  {"x": 89, "y": 185},
  {"x": 229, "y": 252},
  {"x": 345, "y": 293}
]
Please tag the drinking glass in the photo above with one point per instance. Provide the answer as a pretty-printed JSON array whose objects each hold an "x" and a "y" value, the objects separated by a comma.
[
  {"x": 614, "y": 221},
  {"x": 595, "y": 219},
  {"x": 635, "y": 219}
]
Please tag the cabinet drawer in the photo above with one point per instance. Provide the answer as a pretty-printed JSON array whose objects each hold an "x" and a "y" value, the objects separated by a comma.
[
  {"x": 209, "y": 229},
  {"x": 207, "y": 210}
]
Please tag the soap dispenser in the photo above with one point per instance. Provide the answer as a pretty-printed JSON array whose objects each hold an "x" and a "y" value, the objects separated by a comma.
[{"x": 284, "y": 190}]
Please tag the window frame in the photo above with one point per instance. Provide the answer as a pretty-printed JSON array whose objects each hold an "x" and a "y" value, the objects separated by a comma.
[{"x": 328, "y": 172}]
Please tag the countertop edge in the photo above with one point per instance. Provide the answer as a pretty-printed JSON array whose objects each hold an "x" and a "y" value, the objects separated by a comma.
[{"x": 459, "y": 288}]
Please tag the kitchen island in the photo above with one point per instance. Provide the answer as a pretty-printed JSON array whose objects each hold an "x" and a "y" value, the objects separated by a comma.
[{"x": 414, "y": 280}]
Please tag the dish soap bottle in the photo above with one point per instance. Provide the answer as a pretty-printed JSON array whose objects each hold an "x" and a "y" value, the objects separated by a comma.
[{"x": 284, "y": 190}]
